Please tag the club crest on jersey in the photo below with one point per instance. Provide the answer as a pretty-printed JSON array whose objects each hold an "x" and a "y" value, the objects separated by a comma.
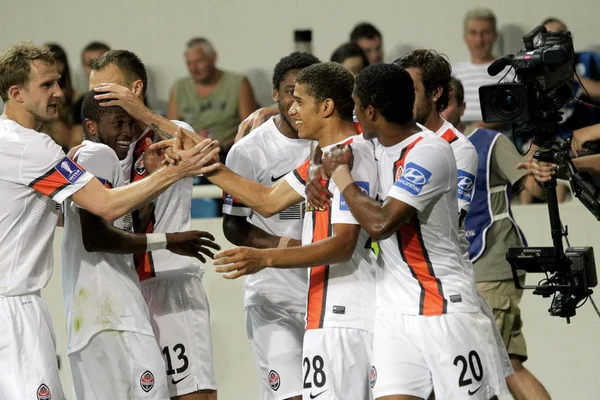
[
  {"x": 466, "y": 184},
  {"x": 69, "y": 170},
  {"x": 274, "y": 380},
  {"x": 43, "y": 392},
  {"x": 147, "y": 381},
  {"x": 373, "y": 377},
  {"x": 413, "y": 178},
  {"x": 363, "y": 186},
  {"x": 139, "y": 166}
]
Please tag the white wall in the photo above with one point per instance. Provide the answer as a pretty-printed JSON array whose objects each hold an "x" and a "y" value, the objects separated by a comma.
[
  {"x": 254, "y": 34},
  {"x": 564, "y": 357}
]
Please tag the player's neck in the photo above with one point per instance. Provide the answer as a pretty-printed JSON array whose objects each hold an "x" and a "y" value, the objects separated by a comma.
[
  {"x": 22, "y": 117},
  {"x": 392, "y": 134},
  {"x": 335, "y": 132},
  {"x": 434, "y": 121},
  {"x": 284, "y": 127}
]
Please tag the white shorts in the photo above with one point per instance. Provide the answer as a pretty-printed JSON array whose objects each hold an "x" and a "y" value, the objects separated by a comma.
[
  {"x": 337, "y": 364},
  {"x": 119, "y": 365},
  {"x": 455, "y": 355},
  {"x": 502, "y": 353},
  {"x": 27, "y": 350},
  {"x": 180, "y": 317},
  {"x": 276, "y": 337}
]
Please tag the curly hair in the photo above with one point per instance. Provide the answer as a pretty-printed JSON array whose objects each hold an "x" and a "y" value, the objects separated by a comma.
[
  {"x": 435, "y": 72},
  {"x": 296, "y": 60},
  {"x": 389, "y": 89},
  {"x": 330, "y": 80}
]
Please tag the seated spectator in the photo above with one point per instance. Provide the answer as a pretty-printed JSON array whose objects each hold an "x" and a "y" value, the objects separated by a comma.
[
  {"x": 351, "y": 56},
  {"x": 211, "y": 100},
  {"x": 61, "y": 129},
  {"x": 370, "y": 40},
  {"x": 90, "y": 53},
  {"x": 480, "y": 34}
]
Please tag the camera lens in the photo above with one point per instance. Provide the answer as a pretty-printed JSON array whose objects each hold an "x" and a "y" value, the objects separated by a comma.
[{"x": 507, "y": 103}]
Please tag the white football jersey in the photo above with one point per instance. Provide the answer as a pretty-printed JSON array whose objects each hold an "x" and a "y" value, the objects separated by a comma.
[
  {"x": 265, "y": 156},
  {"x": 466, "y": 164},
  {"x": 35, "y": 177},
  {"x": 171, "y": 213},
  {"x": 423, "y": 270},
  {"x": 101, "y": 290},
  {"x": 341, "y": 295}
]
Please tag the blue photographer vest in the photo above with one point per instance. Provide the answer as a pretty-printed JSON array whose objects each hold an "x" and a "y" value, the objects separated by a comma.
[{"x": 479, "y": 218}]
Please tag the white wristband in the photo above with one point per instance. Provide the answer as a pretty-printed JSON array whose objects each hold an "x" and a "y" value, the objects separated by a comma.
[{"x": 156, "y": 241}]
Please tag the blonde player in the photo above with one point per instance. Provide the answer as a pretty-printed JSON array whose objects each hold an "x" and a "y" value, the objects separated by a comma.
[
  {"x": 36, "y": 175},
  {"x": 429, "y": 331},
  {"x": 171, "y": 283}
]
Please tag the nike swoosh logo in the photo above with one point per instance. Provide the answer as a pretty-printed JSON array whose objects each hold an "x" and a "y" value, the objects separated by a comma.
[
  {"x": 318, "y": 394},
  {"x": 175, "y": 382},
  {"x": 474, "y": 391},
  {"x": 275, "y": 179}
]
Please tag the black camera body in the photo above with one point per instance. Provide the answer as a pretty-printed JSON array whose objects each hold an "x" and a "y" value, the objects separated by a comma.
[{"x": 545, "y": 72}]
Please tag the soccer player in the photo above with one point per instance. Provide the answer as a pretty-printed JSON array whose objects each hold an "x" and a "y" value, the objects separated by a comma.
[
  {"x": 339, "y": 316},
  {"x": 431, "y": 75},
  {"x": 432, "y": 336},
  {"x": 275, "y": 300},
  {"x": 171, "y": 283},
  {"x": 110, "y": 342},
  {"x": 36, "y": 175}
]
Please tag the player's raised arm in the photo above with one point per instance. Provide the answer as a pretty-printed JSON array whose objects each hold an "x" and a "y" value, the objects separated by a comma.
[{"x": 111, "y": 204}]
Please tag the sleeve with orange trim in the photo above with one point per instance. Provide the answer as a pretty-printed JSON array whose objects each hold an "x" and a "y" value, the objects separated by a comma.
[
  {"x": 239, "y": 161},
  {"x": 429, "y": 172},
  {"x": 298, "y": 177},
  {"x": 46, "y": 169}
]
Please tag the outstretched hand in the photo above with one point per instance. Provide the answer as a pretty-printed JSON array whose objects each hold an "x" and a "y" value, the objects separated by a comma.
[
  {"x": 240, "y": 261},
  {"x": 192, "y": 244}
]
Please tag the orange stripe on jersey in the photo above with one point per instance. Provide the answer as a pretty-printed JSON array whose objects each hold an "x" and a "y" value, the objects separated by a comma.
[
  {"x": 319, "y": 275},
  {"x": 414, "y": 253},
  {"x": 301, "y": 173},
  {"x": 399, "y": 164},
  {"x": 50, "y": 184},
  {"x": 449, "y": 136},
  {"x": 144, "y": 264}
]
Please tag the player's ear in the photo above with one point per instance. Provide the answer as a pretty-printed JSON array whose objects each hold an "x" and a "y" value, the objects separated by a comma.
[
  {"x": 327, "y": 107},
  {"x": 462, "y": 108},
  {"x": 90, "y": 127},
  {"x": 437, "y": 94},
  {"x": 138, "y": 87},
  {"x": 275, "y": 95},
  {"x": 371, "y": 113},
  {"x": 15, "y": 92}
]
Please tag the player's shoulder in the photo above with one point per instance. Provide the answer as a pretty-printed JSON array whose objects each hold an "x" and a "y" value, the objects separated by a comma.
[
  {"x": 258, "y": 136},
  {"x": 95, "y": 150},
  {"x": 14, "y": 135}
]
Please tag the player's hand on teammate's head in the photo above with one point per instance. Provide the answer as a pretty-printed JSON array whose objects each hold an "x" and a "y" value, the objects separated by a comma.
[
  {"x": 192, "y": 244},
  {"x": 240, "y": 261},
  {"x": 111, "y": 94},
  {"x": 72, "y": 153},
  {"x": 339, "y": 155},
  {"x": 254, "y": 120}
]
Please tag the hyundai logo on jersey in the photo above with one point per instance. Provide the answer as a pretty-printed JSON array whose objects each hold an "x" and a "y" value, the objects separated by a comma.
[
  {"x": 466, "y": 183},
  {"x": 363, "y": 186},
  {"x": 413, "y": 179},
  {"x": 69, "y": 170}
]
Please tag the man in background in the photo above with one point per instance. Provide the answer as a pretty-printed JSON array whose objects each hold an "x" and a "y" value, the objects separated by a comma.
[
  {"x": 211, "y": 100},
  {"x": 370, "y": 40}
]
